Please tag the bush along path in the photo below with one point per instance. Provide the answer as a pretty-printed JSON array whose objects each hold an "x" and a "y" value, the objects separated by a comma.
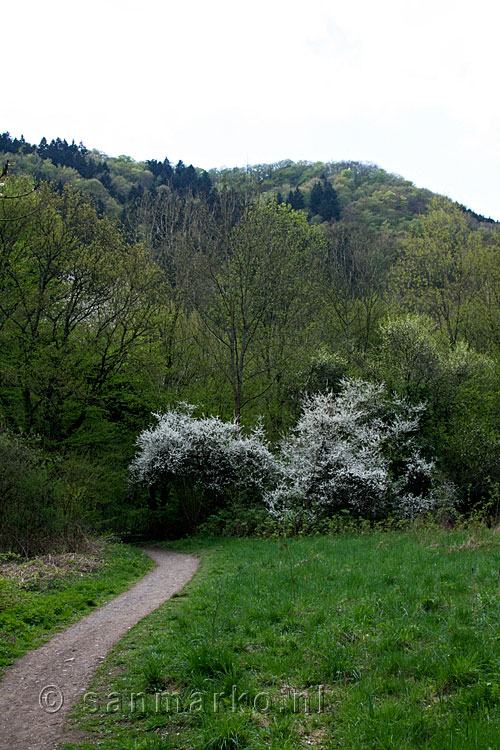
[{"x": 40, "y": 688}]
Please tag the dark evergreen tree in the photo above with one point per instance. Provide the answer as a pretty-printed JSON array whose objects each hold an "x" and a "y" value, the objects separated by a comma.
[
  {"x": 136, "y": 191},
  {"x": 166, "y": 172},
  {"x": 329, "y": 209},
  {"x": 204, "y": 183},
  {"x": 25, "y": 147},
  {"x": 190, "y": 179},
  {"x": 178, "y": 177},
  {"x": 297, "y": 201},
  {"x": 315, "y": 198},
  {"x": 162, "y": 170},
  {"x": 185, "y": 179},
  {"x": 7, "y": 143},
  {"x": 155, "y": 167},
  {"x": 105, "y": 179},
  {"x": 42, "y": 148}
]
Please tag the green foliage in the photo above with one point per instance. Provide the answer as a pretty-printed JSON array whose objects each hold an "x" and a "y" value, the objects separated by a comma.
[
  {"x": 211, "y": 292},
  {"x": 435, "y": 273},
  {"x": 410, "y": 352},
  {"x": 76, "y": 302},
  {"x": 111, "y": 182},
  {"x": 239, "y": 520},
  {"x": 460, "y": 386},
  {"x": 252, "y": 293},
  {"x": 43, "y": 503}
]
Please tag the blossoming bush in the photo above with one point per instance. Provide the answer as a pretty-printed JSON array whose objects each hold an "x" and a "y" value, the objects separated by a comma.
[
  {"x": 205, "y": 462},
  {"x": 354, "y": 451}
]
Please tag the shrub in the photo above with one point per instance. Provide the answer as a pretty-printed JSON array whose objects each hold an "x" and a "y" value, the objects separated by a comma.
[
  {"x": 43, "y": 504},
  {"x": 355, "y": 451},
  {"x": 204, "y": 461},
  {"x": 460, "y": 386}
]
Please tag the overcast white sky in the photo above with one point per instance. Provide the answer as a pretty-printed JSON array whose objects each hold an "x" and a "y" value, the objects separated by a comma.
[{"x": 411, "y": 85}]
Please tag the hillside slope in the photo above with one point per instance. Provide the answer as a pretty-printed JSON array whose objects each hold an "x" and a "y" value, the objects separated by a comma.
[{"x": 362, "y": 193}]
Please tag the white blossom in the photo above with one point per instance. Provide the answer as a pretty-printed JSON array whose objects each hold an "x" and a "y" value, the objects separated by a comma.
[
  {"x": 207, "y": 451},
  {"x": 353, "y": 451}
]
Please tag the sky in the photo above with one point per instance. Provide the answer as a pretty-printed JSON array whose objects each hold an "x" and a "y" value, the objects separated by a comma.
[{"x": 410, "y": 85}]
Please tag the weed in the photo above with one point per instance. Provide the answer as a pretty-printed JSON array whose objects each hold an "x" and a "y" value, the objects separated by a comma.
[
  {"x": 153, "y": 669},
  {"x": 225, "y": 733}
]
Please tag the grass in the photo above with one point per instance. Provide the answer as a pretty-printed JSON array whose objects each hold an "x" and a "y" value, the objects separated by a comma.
[
  {"x": 42, "y": 595},
  {"x": 379, "y": 640}
]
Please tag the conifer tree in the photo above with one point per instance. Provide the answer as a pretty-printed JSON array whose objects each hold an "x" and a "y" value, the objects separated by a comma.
[
  {"x": 315, "y": 198},
  {"x": 295, "y": 199},
  {"x": 329, "y": 205},
  {"x": 298, "y": 199}
]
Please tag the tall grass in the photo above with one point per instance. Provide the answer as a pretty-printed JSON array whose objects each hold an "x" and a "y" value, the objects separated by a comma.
[{"x": 355, "y": 641}]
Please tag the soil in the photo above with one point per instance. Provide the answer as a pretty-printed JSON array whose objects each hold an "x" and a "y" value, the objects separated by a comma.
[{"x": 40, "y": 688}]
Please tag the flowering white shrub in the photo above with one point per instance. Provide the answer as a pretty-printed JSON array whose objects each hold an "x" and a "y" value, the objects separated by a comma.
[
  {"x": 203, "y": 459},
  {"x": 353, "y": 451}
]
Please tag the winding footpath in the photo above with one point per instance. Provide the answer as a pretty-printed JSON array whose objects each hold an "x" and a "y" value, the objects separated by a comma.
[{"x": 39, "y": 689}]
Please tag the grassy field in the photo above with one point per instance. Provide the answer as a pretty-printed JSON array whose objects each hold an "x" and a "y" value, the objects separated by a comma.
[
  {"x": 44, "y": 594},
  {"x": 383, "y": 640}
]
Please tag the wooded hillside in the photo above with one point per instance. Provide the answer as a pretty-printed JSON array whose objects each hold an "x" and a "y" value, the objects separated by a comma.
[{"x": 129, "y": 287}]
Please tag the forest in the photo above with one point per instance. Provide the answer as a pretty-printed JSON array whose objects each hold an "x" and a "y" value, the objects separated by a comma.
[{"x": 237, "y": 349}]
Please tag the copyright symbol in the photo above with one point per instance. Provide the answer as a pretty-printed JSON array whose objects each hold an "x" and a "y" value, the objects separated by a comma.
[{"x": 51, "y": 699}]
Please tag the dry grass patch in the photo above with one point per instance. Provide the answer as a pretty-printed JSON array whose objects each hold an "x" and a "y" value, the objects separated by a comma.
[{"x": 28, "y": 574}]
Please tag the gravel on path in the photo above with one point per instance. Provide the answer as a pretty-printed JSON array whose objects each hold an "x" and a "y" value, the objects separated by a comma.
[{"x": 39, "y": 689}]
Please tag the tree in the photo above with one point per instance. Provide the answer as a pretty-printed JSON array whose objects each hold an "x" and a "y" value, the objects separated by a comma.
[
  {"x": 315, "y": 198},
  {"x": 482, "y": 323},
  {"x": 435, "y": 274},
  {"x": 253, "y": 293},
  {"x": 354, "y": 451},
  {"x": 355, "y": 276},
  {"x": 459, "y": 386},
  {"x": 296, "y": 199},
  {"x": 328, "y": 207},
  {"x": 410, "y": 354},
  {"x": 206, "y": 463},
  {"x": 76, "y": 303}
]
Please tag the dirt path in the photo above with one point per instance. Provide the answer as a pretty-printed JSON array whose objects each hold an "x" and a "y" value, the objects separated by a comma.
[{"x": 31, "y": 692}]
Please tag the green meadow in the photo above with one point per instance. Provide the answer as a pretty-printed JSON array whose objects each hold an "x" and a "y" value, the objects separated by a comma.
[{"x": 376, "y": 640}]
